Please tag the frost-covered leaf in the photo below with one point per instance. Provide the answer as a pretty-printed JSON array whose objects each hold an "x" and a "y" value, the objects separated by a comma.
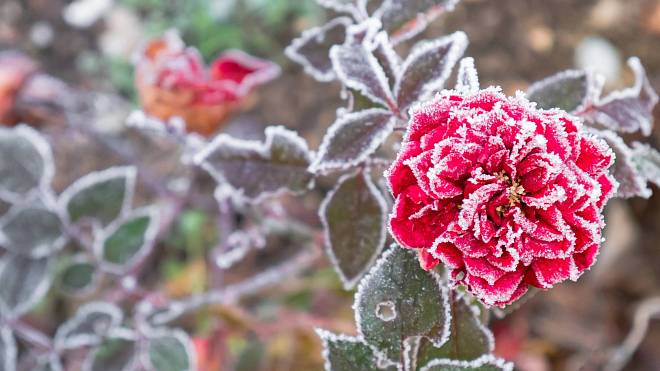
[
  {"x": 91, "y": 322},
  {"x": 256, "y": 169},
  {"x": 312, "y": 48},
  {"x": 468, "y": 337},
  {"x": 31, "y": 230},
  {"x": 403, "y": 19},
  {"x": 346, "y": 353},
  {"x": 78, "y": 276},
  {"x": 383, "y": 50},
  {"x": 569, "y": 90},
  {"x": 23, "y": 282},
  {"x": 352, "y": 138},
  {"x": 7, "y": 349},
  {"x": 467, "y": 79},
  {"x": 102, "y": 195},
  {"x": 632, "y": 183},
  {"x": 117, "y": 354},
  {"x": 170, "y": 350},
  {"x": 397, "y": 300},
  {"x": 357, "y": 68},
  {"x": 647, "y": 160},
  {"x": 354, "y": 218},
  {"x": 27, "y": 162},
  {"x": 484, "y": 363},
  {"x": 427, "y": 68},
  {"x": 629, "y": 110},
  {"x": 49, "y": 362},
  {"x": 124, "y": 241}
]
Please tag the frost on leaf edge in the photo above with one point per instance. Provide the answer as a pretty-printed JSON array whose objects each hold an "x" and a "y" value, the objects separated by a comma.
[
  {"x": 349, "y": 283},
  {"x": 129, "y": 173},
  {"x": 261, "y": 148}
]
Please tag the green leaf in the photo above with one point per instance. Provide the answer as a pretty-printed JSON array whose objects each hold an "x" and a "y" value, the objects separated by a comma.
[
  {"x": 354, "y": 217},
  {"x": 126, "y": 240},
  {"x": 27, "y": 162},
  {"x": 468, "y": 337},
  {"x": 171, "y": 351},
  {"x": 77, "y": 275},
  {"x": 113, "y": 354},
  {"x": 345, "y": 353},
  {"x": 567, "y": 90},
  {"x": 398, "y": 300},
  {"x": 102, "y": 196},
  {"x": 31, "y": 231},
  {"x": 259, "y": 170},
  {"x": 483, "y": 363},
  {"x": 23, "y": 282},
  {"x": 91, "y": 322}
]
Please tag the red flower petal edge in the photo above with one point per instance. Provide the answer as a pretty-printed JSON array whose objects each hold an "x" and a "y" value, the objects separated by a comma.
[
  {"x": 173, "y": 80},
  {"x": 503, "y": 194}
]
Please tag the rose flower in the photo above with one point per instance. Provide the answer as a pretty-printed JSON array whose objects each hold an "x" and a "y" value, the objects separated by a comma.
[
  {"x": 172, "y": 81},
  {"x": 503, "y": 194}
]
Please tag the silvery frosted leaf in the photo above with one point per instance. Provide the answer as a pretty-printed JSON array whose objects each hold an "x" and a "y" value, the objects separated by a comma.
[
  {"x": 78, "y": 276},
  {"x": 403, "y": 19},
  {"x": 647, "y": 160},
  {"x": 256, "y": 169},
  {"x": 383, "y": 50},
  {"x": 427, "y": 68},
  {"x": 116, "y": 354},
  {"x": 7, "y": 349},
  {"x": 570, "y": 90},
  {"x": 468, "y": 337},
  {"x": 91, "y": 322},
  {"x": 27, "y": 162},
  {"x": 467, "y": 79},
  {"x": 357, "y": 68},
  {"x": 483, "y": 363},
  {"x": 398, "y": 300},
  {"x": 31, "y": 230},
  {"x": 101, "y": 196},
  {"x": 346, "y": 353},
  {"x": 23, "y": 282},
  {"x": 312, "y": 48},
  {"x": 124, "y": 241},
  {"x": 631, "y": 182},
  {"x": 170, "y": 350},
  {"x": 629, "y": 110},
  {"x": 49, "y": 362},
  {"x": 352, "y": 138},
  {"x": 354, "y": 216}
]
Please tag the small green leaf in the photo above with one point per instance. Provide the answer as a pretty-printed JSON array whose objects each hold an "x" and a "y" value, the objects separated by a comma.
[
  {"x": 127, "y": 239},
  {"x": 113, "y": 354},
  {"x": 468, "y": 337},
  {"x": 27, "y": 162},
  {"x": 345, "y": 353},
  {"x": 102, "y": 196},
  {"x": 171, "y": 351},
  {"x": 31, "y": 231},
  {"x": 77, "y": 275},
  {"x": 397, "y": 300},
  {"x": 23, "y": 282},
  {"x": 91, "y": 322},
  {"x": 568, "y": 90},
  {"x": 354, "y": 217}
]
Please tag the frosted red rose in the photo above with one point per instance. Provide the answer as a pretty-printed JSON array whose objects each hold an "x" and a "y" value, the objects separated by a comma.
[
  {"x": 503, "y": 194},
  {"x": 172, "y": 80}
]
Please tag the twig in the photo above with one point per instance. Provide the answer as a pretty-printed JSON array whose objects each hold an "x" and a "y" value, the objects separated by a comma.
[{"x": 647, "y": 310}]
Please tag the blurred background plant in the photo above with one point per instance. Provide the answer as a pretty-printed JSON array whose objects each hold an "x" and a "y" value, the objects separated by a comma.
[{"x": 88, "y": 44}]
